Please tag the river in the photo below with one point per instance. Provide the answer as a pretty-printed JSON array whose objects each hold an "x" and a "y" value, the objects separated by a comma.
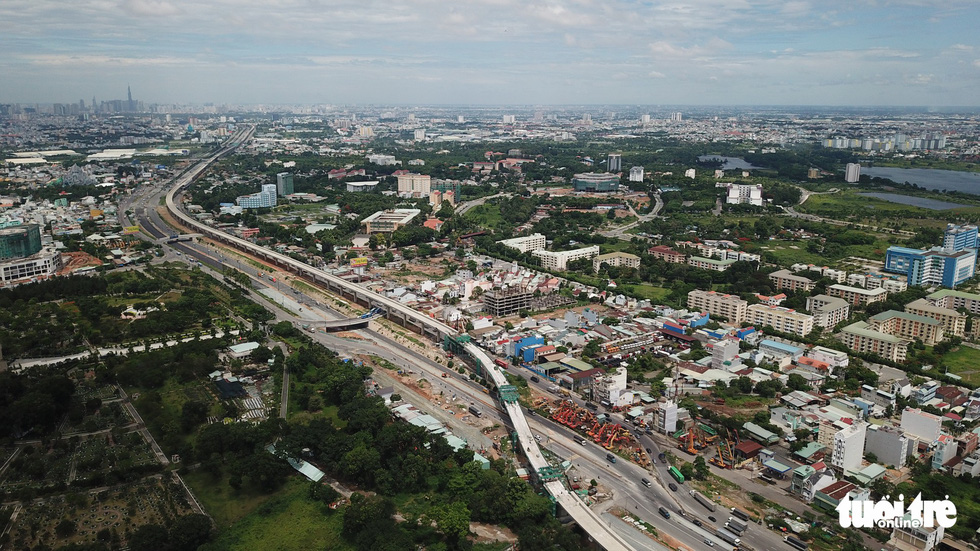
[
  {"x": 731, "y": 163},
  {"x": 929, "y": 178},
  {"x": 922, "y": 202}
]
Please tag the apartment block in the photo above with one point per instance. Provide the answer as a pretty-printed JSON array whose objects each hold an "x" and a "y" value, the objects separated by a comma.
[
  {"x": 908, "y": 326},
  {"x": 616, "y": 259},
  {"x": 729, "y": 307},
  {"x": 954, "y": 300},
  {"x": 860, "y": 338},
  {"x": 785, "y": 279},
  {"x": 416, "y": 185},
  {"x": 781, "y": 319},
  {"x": 856, "y": 296},
  {"x": 558, "y": 260},
  {"x": 533, "y": 242},
  {"x": 827, "y": 311},
  {"x": 954, "y": 323},
  {"x": 667, "y": 254},
  {"x": 710, "y": 263}
]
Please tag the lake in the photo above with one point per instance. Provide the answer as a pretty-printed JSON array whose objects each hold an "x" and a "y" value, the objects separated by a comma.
[
  {"x": 731, "y": 163},
  {"x": 929, "y": 178},
  {"x": 932, "y": 204}
]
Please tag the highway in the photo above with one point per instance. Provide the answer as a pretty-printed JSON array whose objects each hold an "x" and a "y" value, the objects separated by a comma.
[
  {"x": 626, "y": 474},
  {"x": 601, "y": 533}
]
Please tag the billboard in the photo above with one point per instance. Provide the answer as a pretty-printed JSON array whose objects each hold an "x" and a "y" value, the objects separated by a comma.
[
  {"x": 359, "y": 262},
  {"x": 131, "y": 230}
]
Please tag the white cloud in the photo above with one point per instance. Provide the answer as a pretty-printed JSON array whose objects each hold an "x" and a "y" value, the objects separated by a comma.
[{"x": 150, "y": 8}]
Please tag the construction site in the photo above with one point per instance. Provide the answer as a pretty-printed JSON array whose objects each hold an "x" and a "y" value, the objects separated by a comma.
[
  {"x": 596, "y": 427},
  {"x": 700, "y": 438}
]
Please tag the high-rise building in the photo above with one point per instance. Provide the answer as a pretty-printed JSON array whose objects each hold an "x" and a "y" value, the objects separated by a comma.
[
  {"x": 636, "y": 174},
  {"x": 614, "y": 162},
  {"x": 853, "y": 173},
  {"x": 20, "y": 241},
  {"x": 645, "y": 119},
  {"x": 420, "y": 134},
  {"x": 284, "y": 184},
  {"x": 416, "y": 185},
  {"x": 957, "y": 237},
  {"x": 935, "y": 266},
  {"x": 510, "y": 119}
]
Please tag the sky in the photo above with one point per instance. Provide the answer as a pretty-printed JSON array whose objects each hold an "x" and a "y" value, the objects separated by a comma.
[{"x": 526, "y": 52}]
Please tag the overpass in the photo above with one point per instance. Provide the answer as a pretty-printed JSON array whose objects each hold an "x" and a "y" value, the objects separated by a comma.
[{"x": 428, "y": 326}]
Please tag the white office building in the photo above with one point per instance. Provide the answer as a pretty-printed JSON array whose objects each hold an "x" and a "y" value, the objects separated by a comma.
[
  {"x": 558, "y": 260},
  {"x": 533, "y": 242},
  {"x": 853, "y": 173}
]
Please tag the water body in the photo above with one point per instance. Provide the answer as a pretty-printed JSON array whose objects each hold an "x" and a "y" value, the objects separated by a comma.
[
  {"x": 731, "y": 163},
  {"x": 932, "y": 204},
  {"x": 929, "y": 178}
]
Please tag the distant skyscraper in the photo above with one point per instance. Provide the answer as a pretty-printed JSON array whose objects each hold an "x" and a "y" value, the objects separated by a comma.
[
  {"x": 587, "y": 118},
  {"x": 614, "y": 162},
  {"x": 420, "y": 134},
  {"x": 130, "y": 106},
  {"x": 853, "y": 173},
  {"x": 284, "y": 184},
  {"x": 459, "y": 118},
  {"x": 636, "y": 174},
  {"x": 677, "y": 117},
  {"x": 509, "y": 119},
  {"x": 645, "y": 119}
]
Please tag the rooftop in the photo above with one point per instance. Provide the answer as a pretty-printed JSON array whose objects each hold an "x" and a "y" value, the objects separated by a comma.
[{"x": 861, "y": 329}]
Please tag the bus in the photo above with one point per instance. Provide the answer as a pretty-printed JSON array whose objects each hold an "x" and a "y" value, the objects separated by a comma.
[
  {"x": 674, "y": 472},
  {"x": 796, "y": 543},
  {"x": 475, "y": 411}
]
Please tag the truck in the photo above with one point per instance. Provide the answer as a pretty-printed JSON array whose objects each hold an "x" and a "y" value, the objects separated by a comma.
[
  {"x": 736, "y": 525},
  {"x": 728, "y": 536},
  {"x": 740, "y": 514},
  {"x": 796, "y": 543},
  {"x": 579, "y": 440},
  {"x": 699, "y": 497},
  {"x": 475, "y": 411}
]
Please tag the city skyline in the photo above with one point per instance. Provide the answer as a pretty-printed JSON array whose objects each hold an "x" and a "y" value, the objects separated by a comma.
[{"x": 699, "y": 52}]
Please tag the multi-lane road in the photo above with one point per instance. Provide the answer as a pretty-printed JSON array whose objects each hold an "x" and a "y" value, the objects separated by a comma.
[{"x": 622, "y": 478}]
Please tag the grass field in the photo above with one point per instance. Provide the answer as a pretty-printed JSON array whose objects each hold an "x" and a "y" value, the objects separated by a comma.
[
  {"x": 965, "y": 362},
  {"x": 288, "y": 521},
  {"x": 486, "y": 216},
  {"x": 227, "y": 505},
  {"x": 646, "y": 291}
]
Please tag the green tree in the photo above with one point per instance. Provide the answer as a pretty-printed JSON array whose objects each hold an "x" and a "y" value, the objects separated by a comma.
[
  {"x": 701, "y": 470},
  {"x": 797, "y": 382},
  {"x": 452, "y": 519}
]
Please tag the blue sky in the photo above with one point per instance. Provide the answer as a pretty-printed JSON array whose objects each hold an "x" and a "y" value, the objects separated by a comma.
[{"x": 680, "y": 52}]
